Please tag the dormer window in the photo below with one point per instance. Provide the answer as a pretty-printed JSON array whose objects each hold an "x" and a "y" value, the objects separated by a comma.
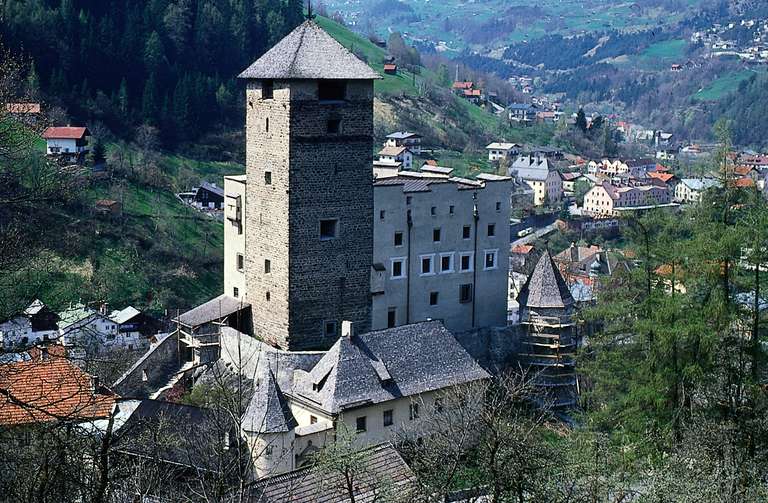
[{"x": 331, "y": 90}]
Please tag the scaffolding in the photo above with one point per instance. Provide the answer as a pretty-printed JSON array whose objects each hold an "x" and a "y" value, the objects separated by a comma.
[{"x": 548, "y": 347}]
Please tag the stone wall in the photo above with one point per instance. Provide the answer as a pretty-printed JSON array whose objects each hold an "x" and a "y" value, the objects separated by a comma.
[{"x": 152, "y": 371}]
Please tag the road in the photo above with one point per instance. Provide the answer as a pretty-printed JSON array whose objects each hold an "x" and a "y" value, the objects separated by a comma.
[{"x": 542, "y": 225}]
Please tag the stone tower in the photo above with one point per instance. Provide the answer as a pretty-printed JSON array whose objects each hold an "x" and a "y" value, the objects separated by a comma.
[
  {"x": 548, "y": 342},
  {"x": 309, "y": 199}
]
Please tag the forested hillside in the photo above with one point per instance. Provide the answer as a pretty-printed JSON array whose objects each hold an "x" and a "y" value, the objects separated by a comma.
[{"x": 170, "y": 63}]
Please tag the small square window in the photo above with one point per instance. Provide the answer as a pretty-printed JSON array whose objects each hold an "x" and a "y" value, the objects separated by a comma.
[
  {"x": 240, "y": 262},
  {"x": 491, "y": 230},
  {"x": 498, "y": 205},
  {"x": 450, "y": 209},
  {"x": 267, "y": 296},
  {"x": 398, "y": 239},
  {"x": 331, "y": 90},
  {"x": 490, "y": 259},
  {"x": 268, "y": 178},
  {"x": 398, "y": 268},
  {"x": 334, "y": 126},
  {"x": 329, "y": 229},
  {"x": 466, "y": 232},
  {"x": 312, "y": 420},
  {"x": 446, "y": 262},
  {"x": 388, "y": 417},
  {"x": 408, "y": 199},
  {"x": 267, "y": 266},
  {"x": 436, "y": 235},
  {"x": 433, "y": 210},
  {"x": 381, "y": 214},
  {"x": 361, "y": 425},
  {"x": 392, "y": 317},
  {"x": 427, "y": 266},
  {"x": 266, "y": 124},
  {"x": 465, "y": 263},
  {"x": 414, "y": 411},
  {"x": 329, "y": 328},
  {"x": 465, "y": 293},
  {"x": 235, "y": 292},
  {"x": 438, "y": 405},
  {"x": 267, "y": 89},
  {"x": 433, "y": 296}
]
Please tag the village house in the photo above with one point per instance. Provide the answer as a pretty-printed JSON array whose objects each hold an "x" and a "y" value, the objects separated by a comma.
[
  {"x": 70, "y": 143},
  {"x": 43, "y": 386},
  {"x": 521, "y": 112},
  {"x": 411, "y": 141},
  {"x": 499, "y": 150},
  {"x": 394, "y": 155},
  {"x": 390, "y": 68},
  {"x": 36, "y": 324},
  {"x": 27, "y": 113},
  {"x": 689, "y": 190},
  {"x": 607, "y": 199},
  {"x": 537, "y": 173},
  {"x": 107, "y": 207},
  {"x": 83, "y": 328}
]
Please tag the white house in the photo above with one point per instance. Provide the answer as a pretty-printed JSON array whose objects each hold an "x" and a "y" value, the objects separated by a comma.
[
  {"x": 411, "y": 141},
  {"x": 85, "y": 328},
  {"x": 536, "y": 172},
  {"x": 35, "y": 324},
  {"x": 67, "y": 141},
  {"x": 689, "y": 190},
  {"x": 394, "y": 155},
  {"x": 498, "y": 151}
]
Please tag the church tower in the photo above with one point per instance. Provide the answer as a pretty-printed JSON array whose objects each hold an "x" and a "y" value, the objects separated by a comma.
[{"x": 309, "y": 196}]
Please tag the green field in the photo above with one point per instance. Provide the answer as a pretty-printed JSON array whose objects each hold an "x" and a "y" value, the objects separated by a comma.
[
  {"x": 669, "y": 49},
  {"x": 723, "y": 86}
]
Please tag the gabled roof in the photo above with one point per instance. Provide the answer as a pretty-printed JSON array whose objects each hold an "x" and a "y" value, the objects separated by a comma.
[
  {"x": 66, "y": 133},
  {"x": 125, "y": 315},
  {"x": 210, "y": 187},
  {"x": 545, "y": 287},
  {"x": 268, "y": 410},
  {"x": 382, "y": 466},
  {"x": 47, "y": 387},
  {"x": 387, "y": 364},
  {"x": 308, "y": 52},
  {"x": 392, "y": 151},
  {"x": 403, "y": 135}
]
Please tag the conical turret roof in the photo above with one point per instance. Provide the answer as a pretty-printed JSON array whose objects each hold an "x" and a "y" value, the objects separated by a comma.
[
  {"x": 268, "y": 411},
  {"x": 309, "y": 52},
  {"x": 545, "y": 287}
]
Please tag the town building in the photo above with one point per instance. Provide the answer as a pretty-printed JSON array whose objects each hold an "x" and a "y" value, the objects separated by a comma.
[
  {"x": 690, "y": 190},
  {"x": 498, "y": 151},
  {"x": 607, "y": 199},
  {"x": 68, "y": 143},
  {"x": 35, "y": 324},
  {"x": 412, "y": 141},
  {"x": 521, "y": 112},
  {"x": 537, "y": 173},
  {"x": 397, "y": 155},
  {"x": 82, "y": 328},
  {"x": 309, "y": 197},
  {"x": 208, "y": 196},
  {"x": 441, "y": 250}
]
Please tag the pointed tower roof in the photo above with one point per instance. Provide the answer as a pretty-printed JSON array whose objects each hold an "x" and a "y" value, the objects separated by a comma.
[
  {"x": 545, "y": 287},
  {"x": 268, "y": 410},
  {"x": 309, "y": 52}
]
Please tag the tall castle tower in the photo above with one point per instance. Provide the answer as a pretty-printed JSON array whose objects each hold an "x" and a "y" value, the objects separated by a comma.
[{"x": 309, "y": 195}]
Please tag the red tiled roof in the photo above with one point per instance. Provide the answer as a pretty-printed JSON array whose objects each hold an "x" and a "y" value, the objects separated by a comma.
[
  {"x": 22, "y": 108},
  {"x": 66, "y": 133},
  {"x": 522, "y": 249},
  {"x": 742, "y": 170},
  {"x": 463, "y": 85},
  {"x": 431, "y": 162},
  {"x": 390, "y": 66},
  {"x": 472, "y": 92},
  {"x": 744, "y": 183},
  {"x": 664, "y": 177},
  {"x": 49, "y": 388}
]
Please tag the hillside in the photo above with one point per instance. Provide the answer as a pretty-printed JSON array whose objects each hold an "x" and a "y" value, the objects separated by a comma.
[{"x": 457, "y": 129}]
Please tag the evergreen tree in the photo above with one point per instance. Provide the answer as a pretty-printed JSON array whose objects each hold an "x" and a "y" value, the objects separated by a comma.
[
  {"x": 581, "y": 120},
  {"x": 98, "y": 154}
]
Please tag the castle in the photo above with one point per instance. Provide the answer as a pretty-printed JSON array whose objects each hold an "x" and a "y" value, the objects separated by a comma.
[{"x": 349, "y": 301}]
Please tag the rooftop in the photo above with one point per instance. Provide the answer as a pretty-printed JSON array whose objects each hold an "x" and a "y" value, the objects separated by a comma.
[
  {"x": 403, "y": 135},
  {"x": 383, "y": 365},
  {"x": 213, "y": 310},
  {"x": 66, "y": 133},
  {"x": 545, "y": 287},
  {"x": 308, "y": 52}
]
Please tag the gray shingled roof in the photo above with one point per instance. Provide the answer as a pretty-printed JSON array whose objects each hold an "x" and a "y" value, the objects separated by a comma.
[
  {"x": 383, "y": 365},
  {"x": 545, "y": 287},
  {"x": 268, "y": 411},
  {"x": 382, "y": 465},
  {"x": 308, "y": 52},
  {"x": 215, "y": 309}
]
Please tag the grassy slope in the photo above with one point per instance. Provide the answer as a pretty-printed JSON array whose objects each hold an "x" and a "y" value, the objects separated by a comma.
[{"x": 723, "y": 85}]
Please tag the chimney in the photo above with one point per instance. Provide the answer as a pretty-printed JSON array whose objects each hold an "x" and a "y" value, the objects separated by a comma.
[
  {"x": 347, "y": 329},
  {"x": 103, "y": 308},
  {"x": 94, "y": 384},
  {"x": 574, "y": 252},
  {"x": 43, "y": 353}
]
